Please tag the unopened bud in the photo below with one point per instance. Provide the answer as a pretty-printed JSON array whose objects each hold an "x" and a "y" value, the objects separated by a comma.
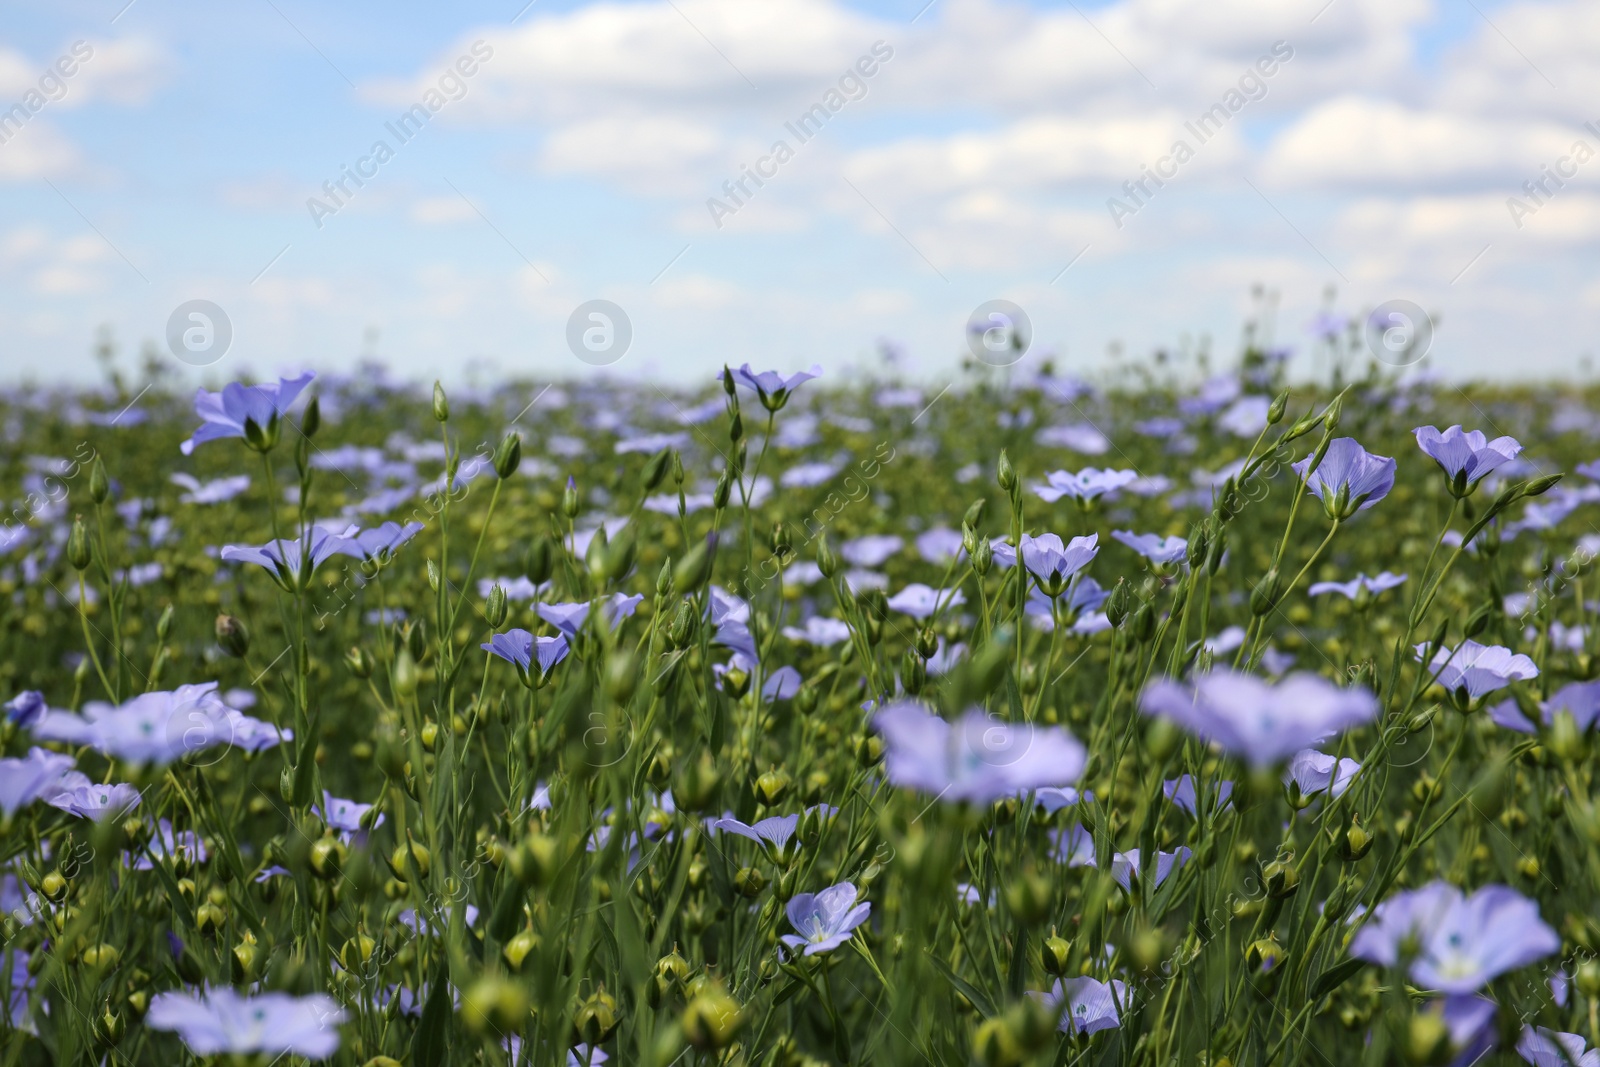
[{"x": 441, "y": 406}]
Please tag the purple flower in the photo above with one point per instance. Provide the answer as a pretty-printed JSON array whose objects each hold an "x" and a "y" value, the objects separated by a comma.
[
  {"x": 824, "y": 920},
  {"x": 1153, "y": 547},
  {"x": 1053, "y": 564},
  {"x": 1073, "y": 846},
  {"x": 569, "y": 618},
  {"x": 1581, "y": 700},
  {"x": 1125, "y": 865},
  {"x": 380, "y": 542},
  {"x": 1053, "y": 799},
  {"x": 36, "y": 775},
  {"x": 978, "y": 758},
  {"x": 1352, "y": 589},
  {"x": 1470, "y": 1023},
  {"x": 1544, "y": 1047},
  {"x": 1256, "y": 720},
  {"x": 220, "y": 1021},
  {"x": 291, "y": 563},
  {"x": 165, "y": 844},
  {"x": 775, "y": 835},
  {"x": 226, "y": 414},
  {"x": 523, "y": 650},
  {"x": 820, "y": 631},
  {"x": 1181, "y": 792},
  {"x": 919, "y": 601},
  {"x": 1460, "y": 943},
  {"x": 1091, "y": 1005},
  {"x": 872, "y": 550},
  {"x": 77, "y": 794},
  {"x": 940, "y": 545},
  {"x": 1312, "y": 772},
  {"x": 1465, "y": 457},
  {"x": 160, "y": 727},
  {"x": 771, "y": 387},
  {"x": 216, "y": 492},
  {"x": 1349, "y": 478},
  {"x": 26, "y": 708},
  {"x": 782, "y": 684},
  {"x": 1474, "y": 669},
  {"x": 1085, "y": 485},
  {"x": 345, "y": 816}
]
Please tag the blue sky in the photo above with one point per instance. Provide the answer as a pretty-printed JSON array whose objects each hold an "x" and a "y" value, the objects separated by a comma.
[{"x": 977, "y": 163}]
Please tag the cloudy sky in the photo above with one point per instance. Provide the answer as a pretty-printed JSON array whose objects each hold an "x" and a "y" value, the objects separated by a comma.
[{"x": 255, "y": 154}]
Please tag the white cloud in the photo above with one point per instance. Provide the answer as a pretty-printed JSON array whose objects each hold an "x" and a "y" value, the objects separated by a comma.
[
  {"x": 37, "y": 150},
  {"x": 1360, "y": 140},
  {"x": 441, "y": 210}
]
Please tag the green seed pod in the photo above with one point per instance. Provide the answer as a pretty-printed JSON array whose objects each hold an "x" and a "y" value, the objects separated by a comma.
[
  {"x": 749, "y": 881},
  {"x": 711, "y": 1019},
  {"x": 494, "y": 1002}
]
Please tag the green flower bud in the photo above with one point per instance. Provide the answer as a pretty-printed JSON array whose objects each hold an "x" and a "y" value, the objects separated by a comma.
[
  {"x": 772, "y": 787},
  {"x": 695, "y": 788},
  {"x": 541, "y": 561},
  {"x": 570, "y": 504},
  {"x": 78, "y": 553},
  {"x": 311, "y": 421},
  {"x": 1276, "y": 410},
  {"x": 1330, "y": 418},
  {"x": 164, "y": 624},
  {"x": 694, "y": 570},
  {"x": 724, "y": 489},
  {"x": 727, "y": 382},
  {"x": 1030, "y": 897},
  {"x": 749, "y": 881},
  {"x": 494, "y": 606},
  {"x": 975, "y": 512},
  {"x": 441, "y": 406},
  {"x": 99, "y": 482},
  {"x": 232, "y": 636},
  {"x": 736, "y": 427},
  {"x": 1119, "y": 603},
  {"x": 827, "y": 561},
  {"x": 655, "y": 470},
  {"x": 508, "y": 456},
  {"x": 1005, "y": 473},
  {"x": 1542, "y": 485},
  {"x": 1264, "y": 597}
]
